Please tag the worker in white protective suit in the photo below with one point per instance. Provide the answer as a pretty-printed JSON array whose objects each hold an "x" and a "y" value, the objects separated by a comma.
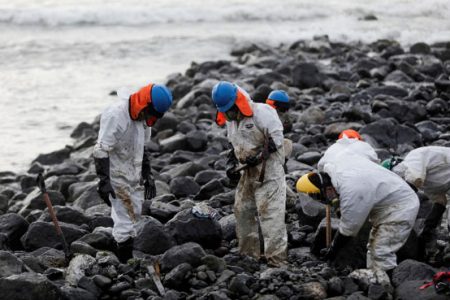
[
  {"x": 351, "y": 140},
  {"x": 427, "y": 168},
  {"x": 256, "y": 136},
  {"x": 365, "y": 189},
  {"x": 122, "y": 163}
]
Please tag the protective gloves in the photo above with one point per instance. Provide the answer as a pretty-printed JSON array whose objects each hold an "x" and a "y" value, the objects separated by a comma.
[
  {"x": 231, "y": 165},
  {"x": 104, "y": 188},
  {"x": 339, "y": 241},
  {"x": 258, "y": 158},
  {"x": 147, "y": 177}
]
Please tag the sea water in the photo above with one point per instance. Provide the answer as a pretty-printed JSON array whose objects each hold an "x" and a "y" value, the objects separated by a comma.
[{"x": 59, "y": 59}]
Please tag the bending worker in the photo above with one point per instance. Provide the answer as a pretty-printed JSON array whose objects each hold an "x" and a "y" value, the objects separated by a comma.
[
  {"x": 427, "y": 168},
  {"x": 351, "y": 140},
  {"x": 122, "y": 163},
  {"x": 256, "y": 136},
  {"x": 365, "y": 189}
]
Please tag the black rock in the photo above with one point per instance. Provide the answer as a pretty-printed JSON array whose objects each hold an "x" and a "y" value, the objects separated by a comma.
[
  {"x": 185, "y": 227},
  {"x": 238, "y": 285},
  {"x": 190, "y": 253},
  {"x": 196, "y": 140},
  {"x": 13, "y": 227},
  {"x": 228, "y": 226},
  {"x": 151, "y": 237},
  {"x": 173, "y": 143},
  {"x": 88, "y": 198},
  {"x": 184, "y": 186},
  {"x": 55, "y": 157},
  {"x": 388, "y": 90},
  {"x": 43, "y": 234},
  {"x": 35, "y": 200},
  {"x": 9, "y": 264},
  {"x": 410, "y": 290},
  {"x": 412, "y": 270},
  {"x": 310, "y": 212},
  {"x": 76, "y": 293},
  {"x": 99, "y": 240},
  {"x": 65, "y": 168},
  {"x": 420, "y": 48},
  {"x": 205, "y": 176},
  {"x": 161, "y": 211},
  {"x": 306, "y": 75},
  {"x": 212, "y": 188},
  {"x": 66, "y": 214},
  {"x": 178, "y": 276},
  {"x": 28, "y": 286}
]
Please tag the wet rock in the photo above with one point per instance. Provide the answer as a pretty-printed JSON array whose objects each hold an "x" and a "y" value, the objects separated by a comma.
[
  {"x": 410, "y": 290},
  {"x": 205, "y": 176},
  {"x": 76, "y": 293},
  {"x": 35, "y": 200},
  {"x": 209, "y": 190},
  {"x": 66, "y": 214},
  {"x": 186, "y": 227},
  {"x": 185, "y": 169},
  {"x": 28, "y": 286},
  {"x": 420, "y": 48},
  {"x": 88, "y": 284},
  {"x": 184, "y": 186},
  {"x": 177, "y": 277},
  {"x": 162, "y": 211},
  {"x": 228, "y": 226},
  {"x": 335, "y": 287},
  {"x": 43, "y": 234},
  {"x": 66, "y": 168},
  {"x": 389, "y": 134},
  {"x": 54, "y": 158},
  {"x": 36, "y": 168},
  {"x": 88, "y": 198},
  {"x": 82, "y": 248},
  {"x": 151, "y": 237},
  {"x": 309, "y": 158},
  {"x": 312, "y": 115},
  {"x": 436, "y": 106},
  {"x": 169, "y": 121},
  {"x": 13, "y": 227},
  {"x": 190, "y": 253},
  {"x": 412, "y": 270},
  {"x": 176, "y": 142},
  {"x": 442, "y": 85},
  {"x": 400, "y": 110},
  {"x": 238, "y": 285},
  {"x": 196, "y": 140},
  {"x": 398, "y": 76},
  {"x": 306, "y": 75},
  {"x": 50, "y": 258},
  {"x": 388, "y": 90},
  {"x": 99, "y": 240},
  {"x": 9, "y": 264},
  {"x": 222, "y": 199}
]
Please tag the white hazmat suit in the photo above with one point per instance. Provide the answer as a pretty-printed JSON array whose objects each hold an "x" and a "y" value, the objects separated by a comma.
[
  {"x": 354, "y": 145},
  {"x": 268, "y": 198},
  {"x": 122, "y": 140},
  {"x": 366, "y": 189},
  {"x": 428, "y": 168}
]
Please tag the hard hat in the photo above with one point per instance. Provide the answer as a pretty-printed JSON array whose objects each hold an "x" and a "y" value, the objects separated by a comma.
[
  {"x": 224, "y": 95},
  {"x": 350, "y": 134},
  {"x": 161, "y": 98},
  {"x": 304, "y": 185},
  {"x": 279, "y": 96}
]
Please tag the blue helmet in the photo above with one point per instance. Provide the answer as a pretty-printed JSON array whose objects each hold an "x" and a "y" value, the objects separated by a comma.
[
  {"x": 161, "y": 98},
  {"x": 279, "y": 96},
  {"x": 224, "y": 95}
]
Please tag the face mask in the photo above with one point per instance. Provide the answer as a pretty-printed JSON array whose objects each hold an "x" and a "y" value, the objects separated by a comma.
[{"x": 232, "y": 114}]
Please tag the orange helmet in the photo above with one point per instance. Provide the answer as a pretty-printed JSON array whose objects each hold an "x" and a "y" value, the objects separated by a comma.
[{"x": 350, "y": 134}]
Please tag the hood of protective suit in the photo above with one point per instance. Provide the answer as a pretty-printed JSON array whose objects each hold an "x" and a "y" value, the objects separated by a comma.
[
  {"x": 140, "y": 100},
  {"x": 242, "y": 102}
]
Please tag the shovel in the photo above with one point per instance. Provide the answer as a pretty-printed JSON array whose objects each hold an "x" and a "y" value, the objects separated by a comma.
[{"x": 41, "y": 184}]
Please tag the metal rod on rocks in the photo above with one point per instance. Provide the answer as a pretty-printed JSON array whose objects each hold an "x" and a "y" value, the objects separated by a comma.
[
  {"x": 41, "y": 184},
  {"x": 328, "y": 226},
  {"x": 155, "y": 277}
]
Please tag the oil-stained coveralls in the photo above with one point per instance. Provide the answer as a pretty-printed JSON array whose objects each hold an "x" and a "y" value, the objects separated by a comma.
[
  {"x": 122, "y": 140},
  {"x": 428, "y": 168},
  {"x": 267, "y": 199},
  {"x": 366, "y": 189}
]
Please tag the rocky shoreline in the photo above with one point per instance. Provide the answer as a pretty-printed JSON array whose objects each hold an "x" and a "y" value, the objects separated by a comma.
[{"x": 397, "y": 98}]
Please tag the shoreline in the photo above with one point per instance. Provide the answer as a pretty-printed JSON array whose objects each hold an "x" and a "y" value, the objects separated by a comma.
[{"x": 397, "y": 98}]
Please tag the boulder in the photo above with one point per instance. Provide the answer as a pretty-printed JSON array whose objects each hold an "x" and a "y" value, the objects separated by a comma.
[
  {"x": 412, "y": 270},
  {"x": 78, "y": 267},
  {"x": 43, "y": 234},
  {"x": 306, "y": 75},
  {"x": 162, "y": 211},
  {"x": 178, "y": 276},
  {"x": 228, "y": 226},
  {"x": 66, "y": 214},
  {"x": 209, "y": 190},
  {"x": 76, "y": 293},
  {"x": 175, "y": 142},
  {"x": 184, "y": 186},
  {"x": 35, "y": 200},
  {"x": 151, "y": 237},
  {"x": 9, "y": 264},
  {"x": 99, "y": 240},
  {"x": 88, "y": 198},
  {"x": 410, "y": 290},
  {"x": 190, "y": 253},
  {"x": 13, "y": 227},
  {"x": 205, "y": 176},
  {"x": 185, "y": 227},
  {"x": 55, "y": 157},
  {"x": 28, "y": 286},
  {"x": 196, "y": 140}
]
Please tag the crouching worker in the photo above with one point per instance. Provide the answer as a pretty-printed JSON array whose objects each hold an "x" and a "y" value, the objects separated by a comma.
[
  {"x": 123, "y": 164},
  {"x": 256, "y": 136},
  {"x": 427, "y": 168},
  {"x": 365, "y": 189}
]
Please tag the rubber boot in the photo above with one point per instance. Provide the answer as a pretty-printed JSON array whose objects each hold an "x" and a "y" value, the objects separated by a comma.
[
  {"x": 431, "y": 222},
  {"x": 125, "y": 250}
]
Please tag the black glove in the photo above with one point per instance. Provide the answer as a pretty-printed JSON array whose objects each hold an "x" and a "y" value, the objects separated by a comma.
[
  {"x": 147, "y": 177},
  {"x": 272, "y": 147},
  {"x": 104, "y": 188},
  {"x": 230, "y": 168},
  {"x": 339, "y": 241}
]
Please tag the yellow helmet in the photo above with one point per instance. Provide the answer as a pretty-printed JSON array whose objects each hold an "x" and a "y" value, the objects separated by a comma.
[{"x": 304, "y": 185}]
